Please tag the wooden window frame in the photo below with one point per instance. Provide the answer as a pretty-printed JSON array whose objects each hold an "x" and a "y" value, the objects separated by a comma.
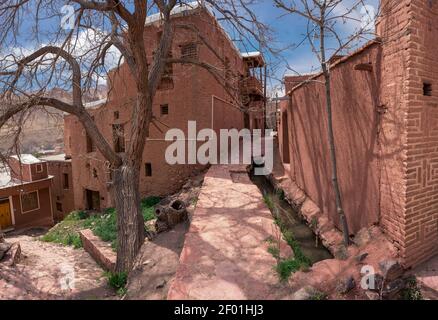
[{"x": 38, "y": 201}]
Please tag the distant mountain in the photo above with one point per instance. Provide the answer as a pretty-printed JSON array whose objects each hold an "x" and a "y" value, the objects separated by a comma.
[{"x": 44, "y": 128}]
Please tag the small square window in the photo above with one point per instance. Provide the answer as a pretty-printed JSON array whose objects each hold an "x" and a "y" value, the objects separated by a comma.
[
  {"x": 164, "y": 109},
  {"x": 59, "y": 206},
  {"x": 427, "y": 89},
  {"x": 39, "y": 168},
  {"x": 148, "y": 169},
  {"x": 189, "y": 51},
  {"x": 116, "y": 115}
]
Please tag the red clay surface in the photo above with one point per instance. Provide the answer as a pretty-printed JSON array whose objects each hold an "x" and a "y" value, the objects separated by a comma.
[
  {"x": 225, "y": 254},
  {"x": 427, "y": 277}
]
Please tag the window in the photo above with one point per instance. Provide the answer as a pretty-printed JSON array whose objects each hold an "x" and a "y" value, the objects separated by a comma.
[
  {"x": 90, "y": 145},
  {"x": 65, "y": 181},
  {"x": 116, "y": 115},
  {"x": 164, "y": 109},
  {"x": 189, "y": 51},
  {"x": 119, "y": 138},
  {"x": 95, "y": 173},
  {"x": 59, "y": 206},
  {"x": 30, "y": 201},
  {"x": 39, "y": 168},
  {"x": 427, "y": 89},
  {"x": 148, "y": 169}
]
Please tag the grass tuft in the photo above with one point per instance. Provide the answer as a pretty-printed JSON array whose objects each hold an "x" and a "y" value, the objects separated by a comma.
[
  {"x": 117, "y": 281},
  {"x": 412, "y": 291}
]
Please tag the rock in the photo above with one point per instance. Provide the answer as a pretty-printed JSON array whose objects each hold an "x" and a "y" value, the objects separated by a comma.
[
  {"x": 371, "y": 295},
  {"x": 341, "y": 253},
  {"x": 13, "y": 255},
  {"x": 361, "y": 257},
  {"x": 150, "y": 225},
  {"x": 307, "y": 293},
  {"x": 346, "y": 285},
  {"x": 362, "y": 237},
  {"x": 161, "y": 284},
  {"x": 4, "y": 247},
  {"x": 391, "y": 269},
  {"x": 150, "y": 235},
  {"x": 393, "y": 289}
]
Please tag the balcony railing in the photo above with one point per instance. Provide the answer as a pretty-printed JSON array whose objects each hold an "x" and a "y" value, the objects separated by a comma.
[{"x": 251, "y": 85}]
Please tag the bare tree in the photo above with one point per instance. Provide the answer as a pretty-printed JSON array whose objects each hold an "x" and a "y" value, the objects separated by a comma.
[
  {"x": 61, "y": 61},
  {"x": 323, "y": 18}
]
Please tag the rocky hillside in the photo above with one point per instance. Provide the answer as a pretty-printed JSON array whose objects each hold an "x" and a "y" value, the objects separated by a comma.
[{"x": 44, "y": 127}]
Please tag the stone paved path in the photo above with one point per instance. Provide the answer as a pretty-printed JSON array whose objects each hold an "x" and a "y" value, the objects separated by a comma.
[
  {"x": 51, "y": 271},
  {"x": 225, "y": 253},
  {"x": 427, "y": 277}
]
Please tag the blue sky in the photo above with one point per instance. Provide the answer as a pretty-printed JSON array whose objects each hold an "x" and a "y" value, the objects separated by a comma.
[{"x": 288, "y": 30}]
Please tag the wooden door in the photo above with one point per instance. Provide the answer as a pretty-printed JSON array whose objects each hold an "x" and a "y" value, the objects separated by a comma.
[
  {"x": 93, "y": 200},
  {"x": 5, "y": 214}
]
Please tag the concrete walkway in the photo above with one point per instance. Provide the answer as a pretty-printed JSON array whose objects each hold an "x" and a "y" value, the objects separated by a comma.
[{"x": 225, "y": 253}]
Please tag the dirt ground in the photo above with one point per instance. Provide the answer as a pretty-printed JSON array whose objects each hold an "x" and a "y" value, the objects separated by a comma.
[
  {"x": 156, "y": 265},
  {"x": 51, "y": 271}
]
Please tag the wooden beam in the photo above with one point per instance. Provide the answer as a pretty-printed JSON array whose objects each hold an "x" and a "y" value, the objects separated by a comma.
[{"x": 364, "y": 67}]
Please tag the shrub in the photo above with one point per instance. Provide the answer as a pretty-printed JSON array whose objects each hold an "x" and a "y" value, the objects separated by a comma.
[
  {"x": 105, "y": 226},
  {"x": 411, "y": 292},
  {"x": 288, "y": 266},
  {"x": 76, "y": 216},
  {"x": 117, "y": 281},
  {"x": 147, "y": 207}
]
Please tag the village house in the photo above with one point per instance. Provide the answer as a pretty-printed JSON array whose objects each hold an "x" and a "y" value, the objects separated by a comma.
[
  {"x": 186, "y": 93},
  {"x": 25, "y": 193},
  {"x": 385, "y": 113},
  {"x": 62, "y": 189}
]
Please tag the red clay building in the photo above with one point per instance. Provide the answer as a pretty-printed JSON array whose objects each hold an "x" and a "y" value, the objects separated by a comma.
[
  {"x": 186, "y": 92},
  {"x": 62, "y": 188},
  {"x": 25, "y": 194},
  {"x": 385, "y": 114}
]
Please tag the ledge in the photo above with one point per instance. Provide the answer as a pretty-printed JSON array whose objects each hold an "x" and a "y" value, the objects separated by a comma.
[{"x": 99, "y": 250}]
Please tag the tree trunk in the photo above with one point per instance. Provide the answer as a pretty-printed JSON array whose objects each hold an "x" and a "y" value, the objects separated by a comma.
[
  {"x": 331, "y": 138},
  {"x": 130, "y": 222}
]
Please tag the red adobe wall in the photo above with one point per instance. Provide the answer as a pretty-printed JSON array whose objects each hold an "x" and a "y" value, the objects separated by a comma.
[
  {"x": 61, "y": 195},
  {"x": 393, "y": 101},
  {"x": 41, "y": 217},
  {"x": 292, "y": 81},
  {"x": 409, "y": 136},
  {"x": 385, "y": 130},
  {"x": 19, "y": 171},
  {"x": 421, "y": 215},
  {"x": 355, "y": 129},
  {"x": 190, "y": 99}
]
